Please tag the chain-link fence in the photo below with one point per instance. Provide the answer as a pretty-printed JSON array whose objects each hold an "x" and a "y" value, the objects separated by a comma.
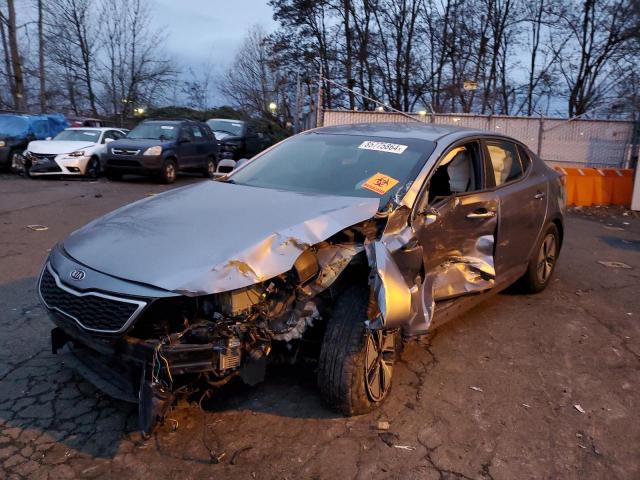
[{"x": 589, "y": 143}]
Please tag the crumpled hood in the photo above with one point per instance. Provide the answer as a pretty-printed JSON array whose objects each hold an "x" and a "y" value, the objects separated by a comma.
[
  {"x": 213, "y": 236},
  {"x": 57, "y": 146}
]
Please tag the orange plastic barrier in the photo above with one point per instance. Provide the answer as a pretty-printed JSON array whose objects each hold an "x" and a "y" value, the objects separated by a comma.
[{"x": 597, "y": 186}]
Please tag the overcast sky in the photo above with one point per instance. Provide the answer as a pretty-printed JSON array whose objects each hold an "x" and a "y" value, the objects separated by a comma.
[{"x": 208, "y": 31}]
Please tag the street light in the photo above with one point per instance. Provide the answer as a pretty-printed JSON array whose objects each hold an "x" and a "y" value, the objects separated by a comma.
[
  {"x": 380, "y": 108},
  {"x": 422, "y": 113},
  {"x": 273, "y": 107},
  {"x": 138, "y": 111}
]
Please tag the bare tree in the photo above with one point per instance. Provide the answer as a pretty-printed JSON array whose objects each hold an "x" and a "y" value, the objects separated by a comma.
[
  {"x": 41, "y": 65},
  {"x": 17, "y": 82}
]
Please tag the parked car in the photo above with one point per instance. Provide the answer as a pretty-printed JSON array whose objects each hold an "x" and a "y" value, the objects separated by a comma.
[
  {"x": 345, "y": 237},
  {"x": 85, "y": 122},
  {"x": 74, "y": 151},
  {"x": 17, "y": 130},
  {"x": 163, "y": 148},
  {"x": 238, "y": 139}
]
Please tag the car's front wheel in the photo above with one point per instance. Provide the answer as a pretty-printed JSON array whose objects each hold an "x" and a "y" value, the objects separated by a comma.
[
  {"x": 93, "y": 168},
  {"x": 210, "y": 168},
  {"x": 168, "y": 172},
  {"x": 542, "y": 263},
  {"x": 355, "y": 368}
]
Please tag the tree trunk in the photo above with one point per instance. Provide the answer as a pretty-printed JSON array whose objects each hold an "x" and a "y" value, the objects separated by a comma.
[
  {"x": 18, "y": 81},
  {"x": 41, "y": 73}
]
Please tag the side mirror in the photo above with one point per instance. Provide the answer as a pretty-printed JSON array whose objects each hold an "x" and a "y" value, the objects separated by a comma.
[
  {"x": 108, "y": 140},
  {"x": 184, "y": 140}
]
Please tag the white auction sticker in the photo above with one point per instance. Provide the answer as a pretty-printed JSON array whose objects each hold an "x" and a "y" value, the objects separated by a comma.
[
  {"x": 383, "y": 147},
  {"x": 166, "y": 127}
]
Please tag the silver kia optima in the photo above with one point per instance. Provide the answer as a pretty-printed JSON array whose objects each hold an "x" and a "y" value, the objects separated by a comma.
[{"x": 332, "y": 245}]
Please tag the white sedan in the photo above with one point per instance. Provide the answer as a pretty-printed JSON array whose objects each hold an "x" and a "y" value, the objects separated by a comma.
[{"x": 74, "y": 151}]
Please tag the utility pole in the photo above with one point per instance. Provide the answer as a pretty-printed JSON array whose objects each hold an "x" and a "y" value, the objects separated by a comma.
[
  {"x": 319, "y": 104},
  {"x": 296, "y": 120}
]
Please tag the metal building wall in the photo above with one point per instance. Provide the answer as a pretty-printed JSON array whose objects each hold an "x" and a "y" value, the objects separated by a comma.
[{"x": 594, "y": 143}]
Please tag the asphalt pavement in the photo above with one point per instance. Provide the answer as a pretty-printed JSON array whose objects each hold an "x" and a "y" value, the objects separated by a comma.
[{"x": 527, "y": 387}]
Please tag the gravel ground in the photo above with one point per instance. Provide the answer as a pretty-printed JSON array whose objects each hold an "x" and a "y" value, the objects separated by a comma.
[{"x": 541, "y": 386}]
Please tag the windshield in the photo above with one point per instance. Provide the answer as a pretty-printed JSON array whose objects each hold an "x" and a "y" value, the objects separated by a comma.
[
  {"x": 232, "y": 127},
  {"x": 79, "y": 135},
  {"x": 13, "y": 125},
  {"x": 155, "y": 131},
  {"x": 338, "y": 164}
]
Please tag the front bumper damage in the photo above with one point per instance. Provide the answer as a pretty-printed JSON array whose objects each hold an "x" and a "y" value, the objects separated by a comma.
[{"x": 225, "y": 320}]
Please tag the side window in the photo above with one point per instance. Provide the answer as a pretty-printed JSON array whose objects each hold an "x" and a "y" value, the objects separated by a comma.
[
  {"x": 197, "y": 133},
  {"x": 186, "y": 133},
  {"x": 505, "y": 161},
  {"x": 459, "y": 171},
  {"x": 251, "y": 131}
]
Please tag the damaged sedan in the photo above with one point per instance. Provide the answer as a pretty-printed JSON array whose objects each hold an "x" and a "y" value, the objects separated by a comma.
[{"x": 334, "y": 245}]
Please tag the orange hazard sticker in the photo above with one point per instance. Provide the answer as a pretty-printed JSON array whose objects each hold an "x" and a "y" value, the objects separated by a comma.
[{"x": 380, "y": 183}]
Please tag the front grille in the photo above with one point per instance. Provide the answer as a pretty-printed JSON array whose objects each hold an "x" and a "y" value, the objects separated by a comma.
[
  {"x": 124, "y": 151},
  {"x": 121, "y": 163},
  {"x": 92, "y": 311},
  {"x": 42, "y": 156}
]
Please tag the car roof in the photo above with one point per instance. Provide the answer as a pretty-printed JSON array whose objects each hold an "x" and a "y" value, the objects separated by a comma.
[
  {"x": 229, "y": 120},
  {"x": 416, "y": 130},
  {"x": 99, "y": 129}
]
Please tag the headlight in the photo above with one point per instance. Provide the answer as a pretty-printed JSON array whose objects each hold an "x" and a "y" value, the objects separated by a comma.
[
  {"x": 230, "y": 147},
  {"x": 157, "y": 150},
  {"x": 3, "y": 143},
  {"x": 77, "y": 153}
]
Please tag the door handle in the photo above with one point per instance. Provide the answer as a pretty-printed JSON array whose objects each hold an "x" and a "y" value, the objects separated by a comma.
[
  {"x": 539, "y": 195},
  {"x": 482, "y": 213}
]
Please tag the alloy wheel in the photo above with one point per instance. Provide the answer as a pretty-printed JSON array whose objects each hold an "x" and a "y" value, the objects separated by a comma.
[
  {"x": 547, "y": 258},
  {"x": 170, "y": 172},
  {"x": 379, "y": 358}
]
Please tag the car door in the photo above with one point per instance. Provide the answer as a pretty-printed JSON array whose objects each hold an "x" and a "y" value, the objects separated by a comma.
[
  {"x": 252, "y": 141},
  {"x": 455, "y": 224},
  {"x": 187, "y": 148},
  {"x": 202, "y": 152},
  {"x": 522, "y": 192}
]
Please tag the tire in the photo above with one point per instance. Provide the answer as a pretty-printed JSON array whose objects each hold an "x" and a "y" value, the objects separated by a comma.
[
  {"x": 14, "y": 156},
  {"x": 112, "y": 175},
  {"x": 343, "y": 380},
  {"x": 542, "y": 263},
  {"x": 168, "y": 171},
  {"x": 93, "y": 168},
  {"x": 210, "y": 168}
]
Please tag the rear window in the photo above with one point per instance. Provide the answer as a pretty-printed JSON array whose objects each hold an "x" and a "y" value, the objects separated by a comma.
[{"x": 347, "y": 165}]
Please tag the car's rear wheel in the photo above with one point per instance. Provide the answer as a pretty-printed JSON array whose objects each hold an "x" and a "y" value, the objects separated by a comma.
[
  {"x": 210, "y": 168},
  {"x": 355, "y": 368},
  {"x": 93, "y": 168},
  {"x": 168, "y": 172},
  {"x": 543, "y": 262}
]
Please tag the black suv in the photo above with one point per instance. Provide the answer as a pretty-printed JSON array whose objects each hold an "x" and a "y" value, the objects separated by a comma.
[
  {"x": 238, "y": 139},
  {"x": 162, "y": 148}
]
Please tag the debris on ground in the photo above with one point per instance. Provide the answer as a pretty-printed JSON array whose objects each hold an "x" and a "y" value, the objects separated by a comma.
[
  {"x": 404, "y": 447},
  {"x": 388, "y": 438},
  {"x": 98, "y": 195},
  {"x": 383, "y": 425},
  {"x": 237, "y": 453},
  {"x": 579, "y": 408},
  {"x": 476, "y": 389},
  {"x": 38, "y": 228},
  {"x": 526, "y": 405},
  {"x": 613, "y": 264}
]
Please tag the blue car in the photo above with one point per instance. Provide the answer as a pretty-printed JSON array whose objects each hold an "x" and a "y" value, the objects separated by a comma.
[{"x": 17, "y": 130}]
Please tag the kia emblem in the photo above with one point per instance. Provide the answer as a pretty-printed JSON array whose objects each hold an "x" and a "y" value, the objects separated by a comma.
[{"x": 77, "y": 274}]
